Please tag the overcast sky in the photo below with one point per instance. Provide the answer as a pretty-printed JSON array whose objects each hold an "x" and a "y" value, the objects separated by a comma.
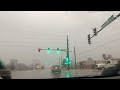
[{"x": 23, "y": 32}]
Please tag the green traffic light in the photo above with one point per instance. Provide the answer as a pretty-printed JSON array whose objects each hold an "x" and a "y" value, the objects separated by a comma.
[
  {"x": 58, "y": 51},
  {"x": 67, "y": 61},
  {"x": 48, "y": 50}
]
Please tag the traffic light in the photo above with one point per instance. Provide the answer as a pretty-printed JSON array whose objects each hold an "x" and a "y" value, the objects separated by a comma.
[
  {"x": 58, "y": 50},
  {"x": 67, "y": 61},
  {"x": 89, "y": 42},
  {"x": 95, "y": 31},
  {"x": 38, "y": 49},
  {"x": 48, "y": 50},
  {"x": 118, "y": 15}
]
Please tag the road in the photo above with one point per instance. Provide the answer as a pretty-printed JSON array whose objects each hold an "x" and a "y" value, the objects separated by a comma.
[{"x": 46, "y": 74}]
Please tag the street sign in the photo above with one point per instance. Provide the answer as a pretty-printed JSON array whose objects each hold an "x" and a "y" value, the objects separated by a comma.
[
  {"x": 118, "y": 15},
  {"x": 108, "y": 22}
]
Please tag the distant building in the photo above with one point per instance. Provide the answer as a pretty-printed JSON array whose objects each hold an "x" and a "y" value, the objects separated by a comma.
[{"x": 88, "y": 64}]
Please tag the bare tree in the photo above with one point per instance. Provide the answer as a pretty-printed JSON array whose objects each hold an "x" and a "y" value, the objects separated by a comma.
[
  {"x": 105, "y": 57},
  {"x": 13, "y": 64},
  {"x": 110, "y": 57}
]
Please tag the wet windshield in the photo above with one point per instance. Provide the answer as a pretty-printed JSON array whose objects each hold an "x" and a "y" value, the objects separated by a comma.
[{"x": 81, "y": 43}]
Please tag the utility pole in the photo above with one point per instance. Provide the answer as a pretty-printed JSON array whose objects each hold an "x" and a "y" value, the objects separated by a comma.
[
  {"x": 59, "y": 62},
  {"x": 68, "y": 51},
  {"x": 61, "y": 58},
  {"x": 75, "y": 56},
  {"x": 67, "y": 47}
]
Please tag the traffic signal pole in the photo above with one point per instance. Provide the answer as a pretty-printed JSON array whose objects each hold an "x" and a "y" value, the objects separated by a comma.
[
  {"x": 112, "y": 19},
  {"x": 67, "y": 48},
  {"x": 68, "y": 51}
]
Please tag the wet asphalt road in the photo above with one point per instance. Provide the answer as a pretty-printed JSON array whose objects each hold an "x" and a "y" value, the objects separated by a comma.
[{"x": 47, "y": 74}]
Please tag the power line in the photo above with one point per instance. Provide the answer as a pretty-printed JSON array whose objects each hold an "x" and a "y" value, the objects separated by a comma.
[
  {"x": 118, "y": 33},
  {"x": 109, "y": 21},
  {"x": 20, "y": 46},
  {"x": 23, "y": 42},
  {"x": 100, "y": 46},
  {"x": 112, "y": 36},
  {"x": 16, "y": 42},
  {"x": 102, "y": 40},
  {"x": 43, "y": 37},
  {"x": 8, "y": 45}
]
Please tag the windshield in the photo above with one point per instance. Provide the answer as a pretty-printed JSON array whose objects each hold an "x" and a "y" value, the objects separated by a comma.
[{"x": 81, "y": 43}]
